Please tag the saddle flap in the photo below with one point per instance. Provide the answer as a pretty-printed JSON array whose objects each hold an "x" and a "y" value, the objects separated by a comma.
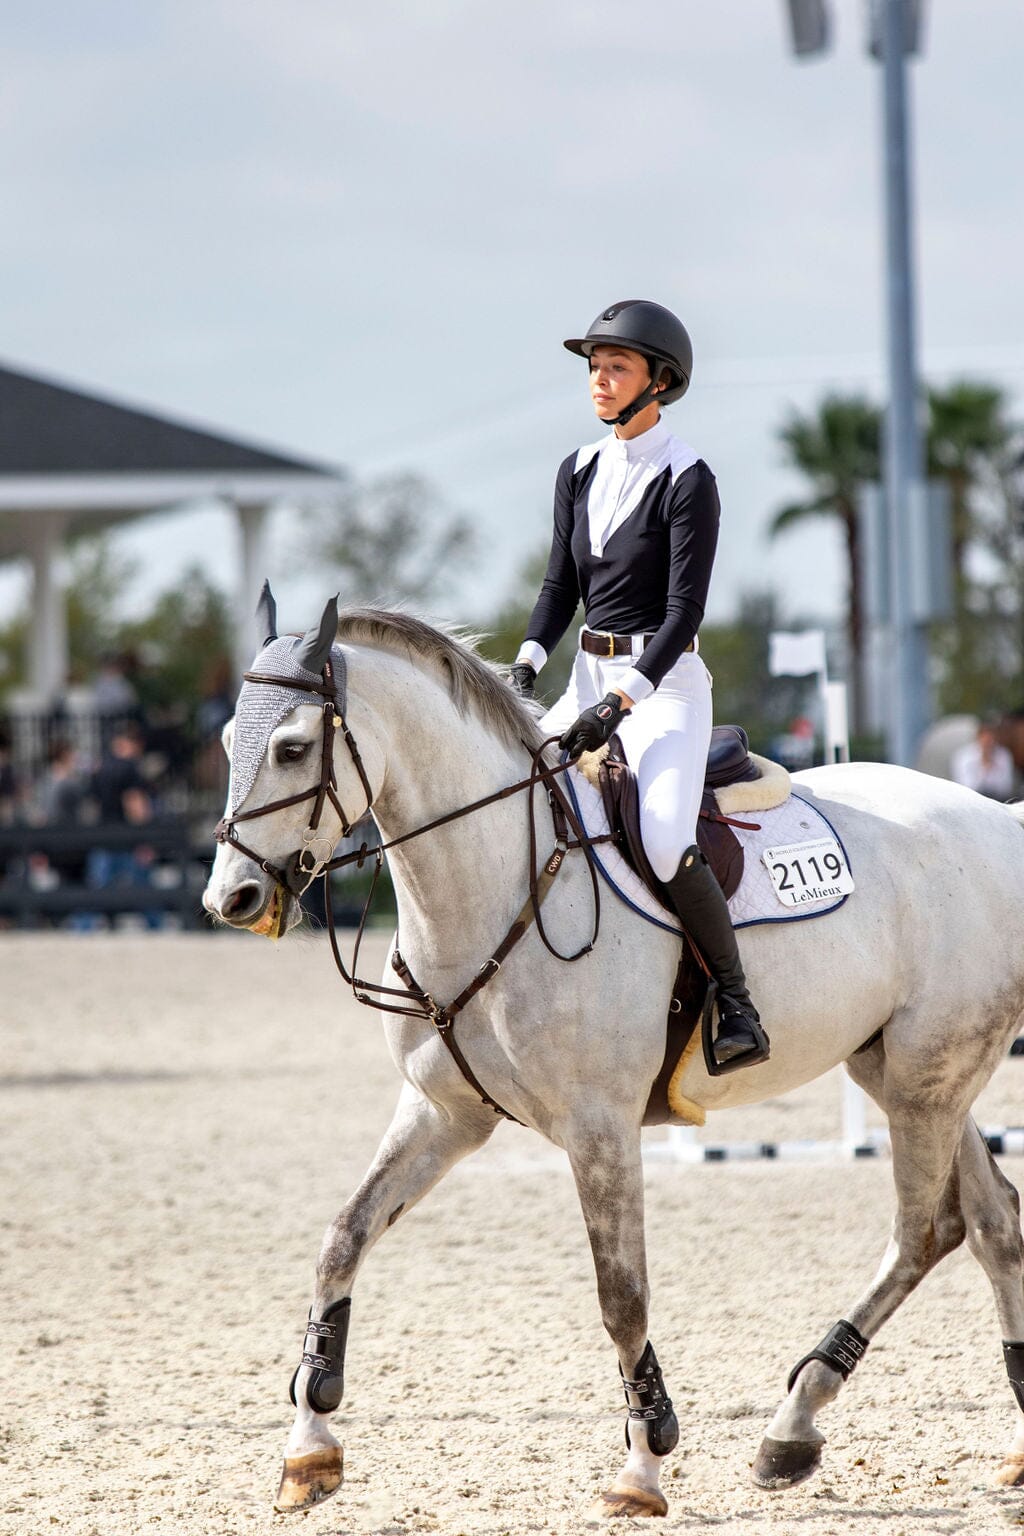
[
  {"x": 719, "y": 844},
  {"x": 715, "y": 838}
]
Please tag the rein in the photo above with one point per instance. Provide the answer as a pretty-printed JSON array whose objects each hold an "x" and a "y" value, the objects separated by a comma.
[{"x": 314, "y": 860}]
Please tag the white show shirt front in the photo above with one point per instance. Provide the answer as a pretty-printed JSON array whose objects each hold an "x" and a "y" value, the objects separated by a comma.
[{"x": 624, "y": 470}]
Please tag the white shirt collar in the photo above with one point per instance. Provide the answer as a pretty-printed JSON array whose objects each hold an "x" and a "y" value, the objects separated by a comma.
[{"x": 646, "y": 446}]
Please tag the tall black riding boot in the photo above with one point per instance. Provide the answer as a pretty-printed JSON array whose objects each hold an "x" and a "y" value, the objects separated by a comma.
[{"x": 700, "y": 903}]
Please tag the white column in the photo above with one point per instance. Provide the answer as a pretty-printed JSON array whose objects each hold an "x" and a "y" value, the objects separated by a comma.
[
  {"x": 48, "y": 632},
  {"x": 253, "y": 570}
]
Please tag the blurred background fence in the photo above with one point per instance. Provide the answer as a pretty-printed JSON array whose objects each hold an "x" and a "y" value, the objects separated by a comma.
[{"x": 107, "y": 820}]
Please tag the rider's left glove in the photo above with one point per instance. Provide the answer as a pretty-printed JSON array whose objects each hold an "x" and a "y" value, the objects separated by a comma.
[
  {"x": 594, "y": 727},
  {"x": 523, "y": 678}
]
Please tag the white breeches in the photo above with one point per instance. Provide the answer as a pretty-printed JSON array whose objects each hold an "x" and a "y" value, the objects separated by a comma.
[{"x": 666, "y": 739}]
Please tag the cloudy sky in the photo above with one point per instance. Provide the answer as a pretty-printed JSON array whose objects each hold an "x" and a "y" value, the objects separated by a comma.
[{"x": 360, "y": 232}]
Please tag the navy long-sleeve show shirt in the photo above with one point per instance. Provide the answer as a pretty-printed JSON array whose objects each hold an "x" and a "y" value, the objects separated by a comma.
[{"x": 635, "y": 532}]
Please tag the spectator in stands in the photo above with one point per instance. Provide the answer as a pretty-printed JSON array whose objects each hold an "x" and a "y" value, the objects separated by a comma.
[
  {"x": 214, "y": 710},
  {"x": 59, "y": 797},
  {"x": 62, "y": 788},
  {"x": 217, "y": 704},
  {"x": 984, "y": 765},
  {"x": 8, "y": 790},
  {"x": 113, "y": 694},
  {"x": 8, "y": 781},
  {"x": 115, "y": 697},
  {"x": 122, "y": 796}
]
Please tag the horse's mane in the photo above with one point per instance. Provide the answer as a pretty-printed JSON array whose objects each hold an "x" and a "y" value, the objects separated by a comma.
[{"x": 473, "y": 683}]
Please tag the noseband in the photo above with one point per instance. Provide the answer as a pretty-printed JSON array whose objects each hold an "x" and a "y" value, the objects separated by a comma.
[{"x": 309, "y": 861}]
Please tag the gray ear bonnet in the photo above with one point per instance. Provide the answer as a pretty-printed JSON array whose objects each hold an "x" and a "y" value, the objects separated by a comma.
[{"x": 262, "y": 706}]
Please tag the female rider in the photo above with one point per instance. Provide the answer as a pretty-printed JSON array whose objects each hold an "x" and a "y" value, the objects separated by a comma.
[{"x": 636, "y": 525}]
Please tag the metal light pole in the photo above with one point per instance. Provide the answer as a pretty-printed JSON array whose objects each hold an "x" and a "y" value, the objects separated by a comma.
[
  {"x": 894, "y": 28},
  {"x": 904, "y": 481}
]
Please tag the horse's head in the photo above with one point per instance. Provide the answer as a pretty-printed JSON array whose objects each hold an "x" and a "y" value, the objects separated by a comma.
[{"x": 289, "y": 800}]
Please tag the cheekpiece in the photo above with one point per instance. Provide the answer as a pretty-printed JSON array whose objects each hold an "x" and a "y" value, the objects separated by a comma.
[{"x": 261, "y": 708}]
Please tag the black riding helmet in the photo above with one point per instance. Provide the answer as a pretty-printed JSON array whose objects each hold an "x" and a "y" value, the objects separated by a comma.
[{"x": 651, "y": 330}]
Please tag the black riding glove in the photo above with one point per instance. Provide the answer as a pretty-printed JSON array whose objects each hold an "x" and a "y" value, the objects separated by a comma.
[
  {"x": 594, "y": 727},
  {"x": 522, "y": 678}
]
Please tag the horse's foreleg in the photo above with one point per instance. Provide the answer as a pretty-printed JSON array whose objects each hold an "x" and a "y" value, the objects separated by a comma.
[
  {"x": 607, "y": 1168},
  {"x": 991, "y": 1207},
  {"x": 419, "y": 1147},
  {"x": 928, "y": 1225}
]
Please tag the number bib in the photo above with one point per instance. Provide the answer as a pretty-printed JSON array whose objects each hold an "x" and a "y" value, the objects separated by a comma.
[{"x": 807, "y": 872}]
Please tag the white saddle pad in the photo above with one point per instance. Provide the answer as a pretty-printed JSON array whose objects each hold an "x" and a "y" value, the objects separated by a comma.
[{"x": 758, "y": 898}]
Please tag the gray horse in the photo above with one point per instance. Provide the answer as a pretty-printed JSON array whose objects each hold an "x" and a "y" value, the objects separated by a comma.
[{"x": 916, "y": 983}]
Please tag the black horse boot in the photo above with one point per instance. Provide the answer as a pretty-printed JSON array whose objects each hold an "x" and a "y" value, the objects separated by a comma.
[{"x": 698, "y": 899}]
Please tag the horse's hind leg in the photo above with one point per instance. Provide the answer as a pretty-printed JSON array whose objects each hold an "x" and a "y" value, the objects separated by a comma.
[
  {"x": 928, "y": 1224},
  {"x": 991, "y": 1207},
  {"x": 607, "y": 1167},
  {"x": 420, "y": 1146}
]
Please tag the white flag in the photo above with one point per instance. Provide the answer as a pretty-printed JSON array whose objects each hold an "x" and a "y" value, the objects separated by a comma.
[{"x": 797, "y": 654}]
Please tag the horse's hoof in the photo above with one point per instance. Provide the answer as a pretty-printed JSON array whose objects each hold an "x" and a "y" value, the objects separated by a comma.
[
  {"x": 1011, "y": 1473},
  {"x": 630, "y": 1503},
  {"x": 781, "y": 1463},
  {"x": 308, "y": 1480}
]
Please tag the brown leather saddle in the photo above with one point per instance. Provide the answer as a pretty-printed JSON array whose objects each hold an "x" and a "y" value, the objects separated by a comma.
[{"x": 729, "y": 762}]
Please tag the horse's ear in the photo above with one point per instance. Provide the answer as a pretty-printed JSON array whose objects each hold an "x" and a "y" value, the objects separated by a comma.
[
  {"x": 266, "y": 615},
  {"x": 314, "y": 649}
]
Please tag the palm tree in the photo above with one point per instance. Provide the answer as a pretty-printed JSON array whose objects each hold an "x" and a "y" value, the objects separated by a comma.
[
  {"x": 968, "y": 436},
  {"x": 970, "y": 444},
  {"x": 838, "y": 449}
]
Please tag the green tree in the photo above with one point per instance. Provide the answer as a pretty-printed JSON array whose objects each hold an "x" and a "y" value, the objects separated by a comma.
[
  {"x": 183, "y": 645},
  {"x": 745, "y": 693},
  {"x": 506, "y": 630},
  {"x": 837, "y": 449},
  {"x": 99, "y": 576},
  {"x": 968, "y": 437},
  {"x": 973, "y": 444},
  {"x": 388, "y": 540}
]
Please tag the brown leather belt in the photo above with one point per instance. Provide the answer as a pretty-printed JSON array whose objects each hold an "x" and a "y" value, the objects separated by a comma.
[{"x": 599, "y": 643}]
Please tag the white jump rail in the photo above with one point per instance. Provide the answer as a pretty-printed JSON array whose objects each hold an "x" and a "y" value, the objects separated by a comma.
[{"x": 856, "y": 1142}]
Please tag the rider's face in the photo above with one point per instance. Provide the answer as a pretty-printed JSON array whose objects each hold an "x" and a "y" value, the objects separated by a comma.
[{"x": 617, "y": 376}]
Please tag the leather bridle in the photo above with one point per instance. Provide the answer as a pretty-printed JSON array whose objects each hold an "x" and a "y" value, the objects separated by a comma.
[
  {"x": 309, "y": 861},
  {"x": 314, "y": 859}
]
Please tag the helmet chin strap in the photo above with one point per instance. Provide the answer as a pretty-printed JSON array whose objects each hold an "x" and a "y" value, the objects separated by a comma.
[{"x": 642, "y": 401}]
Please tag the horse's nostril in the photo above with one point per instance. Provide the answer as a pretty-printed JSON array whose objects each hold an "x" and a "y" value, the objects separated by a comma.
[{"x": 242, "y": 901}]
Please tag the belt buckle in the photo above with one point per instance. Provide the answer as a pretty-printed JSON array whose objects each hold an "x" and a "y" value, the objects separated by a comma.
[{"x": 611, "y": 645}]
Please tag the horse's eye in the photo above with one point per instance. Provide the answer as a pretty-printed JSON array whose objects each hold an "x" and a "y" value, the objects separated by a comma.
[{"x": 292, "y": 752}]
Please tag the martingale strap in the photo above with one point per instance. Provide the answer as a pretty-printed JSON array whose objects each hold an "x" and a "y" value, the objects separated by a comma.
[
  {"x": 443, "y": 1019},
  {"x": 314, "y": 860}
]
